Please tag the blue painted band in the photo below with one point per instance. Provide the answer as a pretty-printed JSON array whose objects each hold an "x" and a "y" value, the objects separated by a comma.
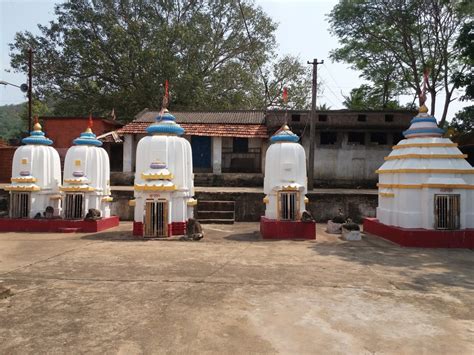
[
  {"x": 87, "y": 141},
  {"x": 165, "y": 117},
  {"x": 37, "y": 140},
  {"x": 285, "y": 138},
  {"x": 423, "y": 130},
  {"x": 165, "y": 128},
  {"x": 417, "y": 120}
]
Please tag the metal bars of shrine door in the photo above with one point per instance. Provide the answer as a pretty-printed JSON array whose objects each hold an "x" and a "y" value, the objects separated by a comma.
[
  {"x": 288, "y": 206},
  {"x": 20, "y": 204},
  {"x": 447, "y": 211},
  {"x": 74, "y": 206},
  {"x": 156, "y": 216}
]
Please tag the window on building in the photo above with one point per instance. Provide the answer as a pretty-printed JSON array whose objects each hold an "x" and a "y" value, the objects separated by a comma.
[
  {"x": 447, "y": 211},
  {"x": 356, "y": 138},
  {"x": 397, "y": 137},
  {"x": 388, "y": 118},
  {"x": 379, "y": 138},
  {"x": 328, "y": 138},
  {"x": 322, "y": 118},
  {"x": 295, "y": 117},
  {"x": 240, "y": 145},
  {"x": 362, "y": 118}
]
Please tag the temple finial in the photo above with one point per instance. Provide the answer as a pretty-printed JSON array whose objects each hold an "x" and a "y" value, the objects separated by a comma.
[{"x": 37, "y": 126}]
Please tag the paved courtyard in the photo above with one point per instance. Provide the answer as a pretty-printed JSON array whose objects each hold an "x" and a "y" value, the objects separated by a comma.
[{"x": 231, "y": 293}]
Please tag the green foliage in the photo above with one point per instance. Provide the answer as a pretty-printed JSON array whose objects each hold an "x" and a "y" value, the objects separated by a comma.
[
  {"x": 465, "y": 43},
  {"x": 11, "y": 125},
  {"x": 393, "y": 42},
  {"x": 463, "y": 122},
  {"x": 367, "y": 97},
  {"x": 104, "y": 54}
]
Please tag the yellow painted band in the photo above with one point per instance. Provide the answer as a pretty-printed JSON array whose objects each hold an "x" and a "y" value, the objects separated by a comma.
[
  {"x": 22, "y": 188},
  {"x": 76, "y": 188},
  {"x": 74, "y": 181},
  {"x": 306, "y": 200},
  {"x": 431, "y": 186},
  {"x": 154, "y": 188},
  {"x": 427, "y": 156},
  {"x": 289, "y": 188},
  {"x": 23, "y": 179},
  {"x": 266, "y": 200},
  {"x": 425, "y": 171},
  {"x": 192, "y": 202},
  {"x": 157, "y": 176},
  {"x": 424, "y": 145},
  {"x": 386, "y": 194},
  {"x": 108, "y": 199},
  {"x": 132, "y": 203}
]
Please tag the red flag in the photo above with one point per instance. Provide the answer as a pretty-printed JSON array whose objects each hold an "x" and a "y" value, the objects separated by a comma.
[
  {"x": 167, "y": 94},
  {"x": 91, "y": 123},
  {"x": 285, "y": 95}
]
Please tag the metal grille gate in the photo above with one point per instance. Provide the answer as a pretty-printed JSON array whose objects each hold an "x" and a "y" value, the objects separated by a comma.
[
  {"x": 74, "y": 206},
  {"x": 288, "y": 206},
  {"x": 20, "y": 205},
  {"x": 447, "y": 211},
  {"x": 156, "y": 218}
]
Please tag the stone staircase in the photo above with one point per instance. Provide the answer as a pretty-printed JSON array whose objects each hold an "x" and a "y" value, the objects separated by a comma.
[{"x": 219, "y": 212}]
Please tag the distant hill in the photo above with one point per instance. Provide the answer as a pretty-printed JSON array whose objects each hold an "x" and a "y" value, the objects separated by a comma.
[{"x": 11, "y": 124}]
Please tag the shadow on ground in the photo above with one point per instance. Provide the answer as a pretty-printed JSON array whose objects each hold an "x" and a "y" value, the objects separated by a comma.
[{"x": 425, "y": 268}]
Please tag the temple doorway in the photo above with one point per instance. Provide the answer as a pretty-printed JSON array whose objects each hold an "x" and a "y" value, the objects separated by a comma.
[{"x": 156, "y": 219}]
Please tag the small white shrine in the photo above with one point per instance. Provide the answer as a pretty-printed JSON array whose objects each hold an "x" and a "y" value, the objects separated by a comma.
[
  {"x": 164, "y": 186},
  {"x": 285, "y": 187},
  {"x": 86, "y": 182},
  {"x": 426, "y": 188},
  {"x": 36, "y": 176}
]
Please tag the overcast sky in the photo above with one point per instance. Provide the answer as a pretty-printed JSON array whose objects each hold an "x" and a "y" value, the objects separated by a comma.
[{"x": 303, "y": 31}]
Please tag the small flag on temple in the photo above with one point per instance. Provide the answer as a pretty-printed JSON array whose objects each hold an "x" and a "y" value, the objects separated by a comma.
[
  {"x": 91, "y": 123},
  {"x": 167, "y": 94},
  {"x": 285, "y": 95}
]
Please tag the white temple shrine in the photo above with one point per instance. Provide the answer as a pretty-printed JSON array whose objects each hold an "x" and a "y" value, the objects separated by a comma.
[
  {"x": 36, "y": 176},
  {"x": 285, "y": 187},
  {"x": 164, "y": 186},
  {"x": 426, "y": 190},
  {"x": 86, "y": 182}
]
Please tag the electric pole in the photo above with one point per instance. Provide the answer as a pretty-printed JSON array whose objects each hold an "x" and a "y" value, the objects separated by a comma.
[
  {"x": 30, "y": 75},
  {"x": 312, "y": 119}
]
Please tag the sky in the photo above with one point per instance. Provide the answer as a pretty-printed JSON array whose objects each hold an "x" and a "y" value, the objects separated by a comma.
[{"x": 303, "y": 31}]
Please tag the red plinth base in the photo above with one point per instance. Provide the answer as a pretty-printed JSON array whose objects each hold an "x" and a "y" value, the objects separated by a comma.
[
  {"x": 420, "y": 238},
  {"x": 273, "y": 229},
  {"x": 175, "y": 228},
  {"x": 57, "y": 225}
]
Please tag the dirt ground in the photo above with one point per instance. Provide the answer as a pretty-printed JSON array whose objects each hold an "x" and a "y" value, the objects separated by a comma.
[{"x": 231, "y": 293}]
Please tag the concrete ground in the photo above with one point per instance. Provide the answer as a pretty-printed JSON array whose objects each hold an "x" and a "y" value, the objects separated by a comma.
[{"x": 231, "y": 293}]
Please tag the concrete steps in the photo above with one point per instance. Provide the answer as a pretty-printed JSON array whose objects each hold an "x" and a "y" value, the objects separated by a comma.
[{"x": 221, "y": 212}]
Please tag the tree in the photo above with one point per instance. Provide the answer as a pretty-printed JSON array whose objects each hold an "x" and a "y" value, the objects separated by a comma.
[
  {"x": 465, "y": 44},
  {"x": 463, "y": 121},
  {"x": 104, "y": 54},
  {"x": 366, "y": 97},
  {"x": 405, "y": 37}
]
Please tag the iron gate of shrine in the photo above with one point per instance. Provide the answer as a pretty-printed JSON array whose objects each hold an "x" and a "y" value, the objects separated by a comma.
[
  {"x": 447, "y": 211},
  {"x": 73, "y": 208},
  {"x": 288, "y": 206},
  {"x": 20, "y": 204},
  {"x": 156, "y": 218}
]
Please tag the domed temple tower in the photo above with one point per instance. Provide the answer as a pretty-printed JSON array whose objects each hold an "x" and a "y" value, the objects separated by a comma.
[
  {"x": 285, "y": 188},
  {"x": 426, "y": 190},
  {"x": 164, "y": 186},
  {"x": 86, "y": 182},
  {"x": 36, "y": 175}
]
